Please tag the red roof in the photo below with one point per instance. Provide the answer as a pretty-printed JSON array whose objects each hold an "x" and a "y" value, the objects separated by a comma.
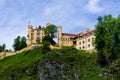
[
  {"x": 87, "y": 33},
  {"x": 82, "y": 34},
  {"x": 69, "y": 34}
]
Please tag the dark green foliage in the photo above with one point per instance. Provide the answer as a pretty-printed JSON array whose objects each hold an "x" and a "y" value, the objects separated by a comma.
[
  {"x": 16, "y": 44},
  {"x": 2, "y": 48},
  {"x": 50, "y": 31},
  {"x": 71, "y": 49},
  {"x": 46, "y": 47},
  {"x": 107, "y": 39},
  {"x": 50, "y": 40},
  {"x": 19, "y": 43},
  {"x": 23, "y": 42},
  {"x": 8, "y": 50},
  {"x": 101, "y": 59}
]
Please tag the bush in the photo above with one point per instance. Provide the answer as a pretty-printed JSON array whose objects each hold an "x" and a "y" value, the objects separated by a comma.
[{"x": 46, "y": 47}]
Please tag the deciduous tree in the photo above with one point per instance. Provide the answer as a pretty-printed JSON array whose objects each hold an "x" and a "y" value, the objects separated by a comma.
[
  {"x": 2, "y": 48},
  {"x": 107, "y": 38},
  {"x": 50, "y": 33},
  {"x": 19, "y": 43}
]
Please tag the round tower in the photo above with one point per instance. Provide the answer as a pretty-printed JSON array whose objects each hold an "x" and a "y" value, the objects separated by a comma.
[{"x": 59, "y": 36}]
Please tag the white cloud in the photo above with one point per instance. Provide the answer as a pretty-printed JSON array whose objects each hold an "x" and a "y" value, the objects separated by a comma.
[{"x": 93, "y": 6}]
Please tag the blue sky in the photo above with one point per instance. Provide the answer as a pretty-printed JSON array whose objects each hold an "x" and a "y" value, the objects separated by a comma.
[{"x": 74, "y": 15}]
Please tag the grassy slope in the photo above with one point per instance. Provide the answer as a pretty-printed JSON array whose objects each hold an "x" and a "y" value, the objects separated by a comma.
[
  {"x": 81, "y": 62},
  {"x": 17, "y": 63}
]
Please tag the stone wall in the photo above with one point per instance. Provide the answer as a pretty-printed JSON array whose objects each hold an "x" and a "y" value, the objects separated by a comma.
[{"x": 6, "y": 54}]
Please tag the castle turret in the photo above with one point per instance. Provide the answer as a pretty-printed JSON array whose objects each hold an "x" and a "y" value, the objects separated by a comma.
[
  {"x": 60, "y": 36},
  {"x": 30, "y": 28}
]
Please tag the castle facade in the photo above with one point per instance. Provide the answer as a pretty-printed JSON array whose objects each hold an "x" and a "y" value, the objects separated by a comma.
[
  {"x": 82, "y": 41},
  {"x": 35, "y": 36}
]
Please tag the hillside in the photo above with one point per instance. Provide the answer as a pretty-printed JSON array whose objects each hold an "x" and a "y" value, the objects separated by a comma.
[{"x": 63, "y": 64}]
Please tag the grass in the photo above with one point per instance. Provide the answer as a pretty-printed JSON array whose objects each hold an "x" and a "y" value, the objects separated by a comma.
[
  {"x": 17, "y": 63},
  {"x": 24, "y": 66}
]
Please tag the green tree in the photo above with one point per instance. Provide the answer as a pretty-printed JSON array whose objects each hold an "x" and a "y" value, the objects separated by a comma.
[
  {"x": 46, "y": 47},
  {"x": 2, "y": 47},
  {"x": 8, "y": 50},
  {"x": 16, "y": 44},
  {"x": 50, "y": 33},
  {"x": 19, "y": 43},
  {"x": 107, "y": 39},
  {"x": 23, "y": 42}
]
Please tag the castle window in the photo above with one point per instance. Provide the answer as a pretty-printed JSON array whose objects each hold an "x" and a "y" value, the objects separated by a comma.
[
  {"x": 88, "y": 40},
  {"x": 83, "y": 42},
  {"x": 38, "y": 33},
  {"x": 32, "y": 33},
  {"x": 79, "y": 47},
  {"x": 88, "y": 45},
  {"x": 79, "y": 43},
  {"x": 83, "y": 47}
]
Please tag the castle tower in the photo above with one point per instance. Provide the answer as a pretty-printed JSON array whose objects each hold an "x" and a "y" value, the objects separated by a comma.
[
  {"x": 30, "y": 28},
  {"x": 60, "y": 36}
]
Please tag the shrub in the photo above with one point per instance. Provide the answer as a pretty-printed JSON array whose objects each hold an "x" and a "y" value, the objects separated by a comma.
[{"x": 46, "y": 47}]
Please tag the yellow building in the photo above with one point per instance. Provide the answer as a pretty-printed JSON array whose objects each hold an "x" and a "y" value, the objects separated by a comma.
[
  {"x": 35, "y": 36},
  {"x": 83, "y": 40},
  {"x": 68, "y": 39},
  {"x": 65, "y": 39}
]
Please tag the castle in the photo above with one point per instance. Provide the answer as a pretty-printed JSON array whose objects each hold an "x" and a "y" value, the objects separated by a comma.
[{"x": 82, "y": 41}]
